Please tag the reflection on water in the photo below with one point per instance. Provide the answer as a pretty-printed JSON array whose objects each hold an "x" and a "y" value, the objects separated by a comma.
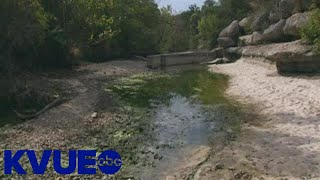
[
  {"x": 185, "y": 107},
  {"x": 182, "y": 126},
  {"x": 181, "y": 122}
]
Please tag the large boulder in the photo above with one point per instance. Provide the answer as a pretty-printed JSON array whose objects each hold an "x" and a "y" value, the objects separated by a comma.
[
  {"x": 298, "y": 63},
  {"x": 295, "y": 23},
  {"x": 260, "y": 22},
  {"x": 257, "y": 38},
  {"x": 232, "y": 53},
  {"x": 245, "y": 22},
  {"x": 274, "y": 33},
  {"x": 231, "y": 31},
  {"x": 274, "y": 16},
  {"x": 253, "y": 39},
  {"x": 273, "y": 51},
  {"x": 286, "y": 8},
  {"x": 245, "y": 40},
  {"x": 226, "y": 42},
  {"x": 245, "y": 25}
]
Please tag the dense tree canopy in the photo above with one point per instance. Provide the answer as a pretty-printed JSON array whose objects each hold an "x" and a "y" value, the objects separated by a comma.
[{"x": 44, "y": 33}]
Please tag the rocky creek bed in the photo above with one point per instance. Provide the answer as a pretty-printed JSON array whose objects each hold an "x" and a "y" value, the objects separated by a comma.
[
  {"x": 180, "y": 125},
  {"x": 162, "y": 123},
  {"x": 178, "y": 119}
]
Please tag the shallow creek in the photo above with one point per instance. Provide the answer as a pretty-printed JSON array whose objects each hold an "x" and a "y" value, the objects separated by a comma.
[{"x": 186, "y": 111}]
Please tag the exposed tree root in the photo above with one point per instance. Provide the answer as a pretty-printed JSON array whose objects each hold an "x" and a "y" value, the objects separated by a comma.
[{"x": 46, "y": 108}]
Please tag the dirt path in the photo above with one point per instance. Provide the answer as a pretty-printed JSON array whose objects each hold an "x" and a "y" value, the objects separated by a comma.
[{"x": 284, "y": 143}]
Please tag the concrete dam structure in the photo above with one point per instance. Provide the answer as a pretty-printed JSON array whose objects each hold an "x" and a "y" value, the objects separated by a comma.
[{"x": 182, "y": 58}]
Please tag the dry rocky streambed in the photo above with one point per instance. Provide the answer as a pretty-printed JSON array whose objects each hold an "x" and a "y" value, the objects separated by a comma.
[{"x": 180, "y": 123}]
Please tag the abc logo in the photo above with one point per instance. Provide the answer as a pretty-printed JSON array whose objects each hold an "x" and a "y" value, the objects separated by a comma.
[{"x": 109, "y": 162}]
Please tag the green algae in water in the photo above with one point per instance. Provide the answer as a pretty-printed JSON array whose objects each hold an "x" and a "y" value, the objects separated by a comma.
[
  {"x": 137, "y": 95},
  {"x": 139, "y": 90}
]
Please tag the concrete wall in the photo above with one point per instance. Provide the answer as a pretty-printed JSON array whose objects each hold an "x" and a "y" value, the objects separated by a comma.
[{"x": 163, "y": 60}]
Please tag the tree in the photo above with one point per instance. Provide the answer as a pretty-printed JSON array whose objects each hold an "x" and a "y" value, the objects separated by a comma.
[
  {"x": 166, "y": 30},
  {"x": 211, "y": 23},
  {"x": 23, "y": 27}
]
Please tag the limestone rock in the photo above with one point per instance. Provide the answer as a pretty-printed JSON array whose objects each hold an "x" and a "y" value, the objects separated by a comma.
[
  {"x": 232, "y": 53},
  {"x": 254, "y": 39},
  {"x": 245, "y": 22},
  {"x": 273, "y": 51},
  {"x": 94, "y": 115},
  {"x": 295, "y": 23},
  {"x": 245, "y": 40},
  {"x": 286, "y": 8},
  {"x": 257, "y": 38},
  {"x": 226, "y": 42},
  {"x": 245, "y": 25},
  {"x": 274, "y": 32},
  {"x": 298, "y": 63},
  {"x": 274, "y": 16},
  {"x": 260, "y": 22},
  {"x": 231, "y": 31}
]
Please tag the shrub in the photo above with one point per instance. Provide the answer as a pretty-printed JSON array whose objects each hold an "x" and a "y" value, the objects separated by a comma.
[
  {"x": 23, "y": 26},
  {"x": 52, "y": 51},
  {"x": 311, "y": 32}
]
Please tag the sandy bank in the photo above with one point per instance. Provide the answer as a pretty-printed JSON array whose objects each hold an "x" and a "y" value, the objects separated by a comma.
[{"x": 286, "y": 141}]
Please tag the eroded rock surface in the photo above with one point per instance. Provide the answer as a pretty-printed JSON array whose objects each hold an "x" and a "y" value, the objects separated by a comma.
[{"x": 295, "y": 23}]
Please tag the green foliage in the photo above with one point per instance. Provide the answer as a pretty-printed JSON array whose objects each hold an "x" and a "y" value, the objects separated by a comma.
[
  {"x": 209, "y": 30},
  {"x": 260, "y": 6},
  {"x": 234, "y": 9},
  {"x": 126, "y": 28},
  {"x": 311, "y": 31},
  {"x": 137, "y": 22},
  {"x": 23, "y": 22},
  {"x": 23, "y": 27},
  {"x": 166, "y": 32},
  {"x": 40, "y": 33},
  {"x": 211, "y": 23},
  {"x": 178, "y": 32},
  {"x": 101, "y": 28},
  {"x": 53, "y": 51},
  {"x": 315, "y": 4}
]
